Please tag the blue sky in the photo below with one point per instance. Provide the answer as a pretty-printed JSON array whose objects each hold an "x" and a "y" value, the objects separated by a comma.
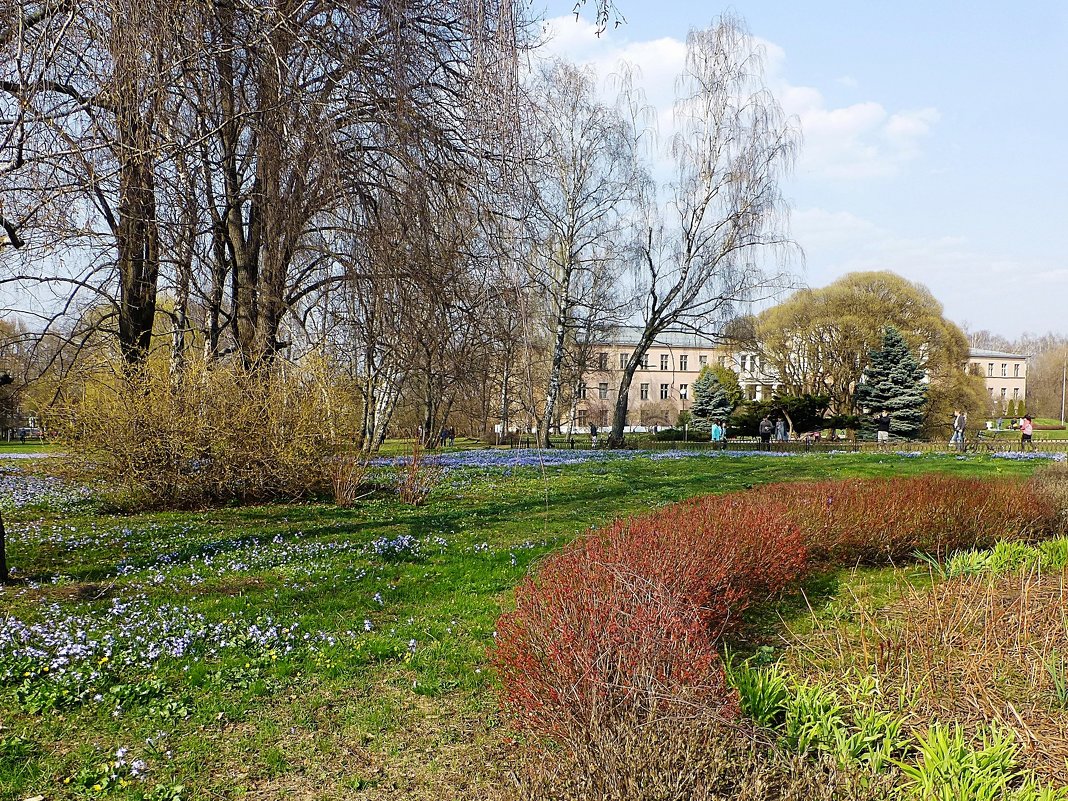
[{"x": 936, "y": 137}]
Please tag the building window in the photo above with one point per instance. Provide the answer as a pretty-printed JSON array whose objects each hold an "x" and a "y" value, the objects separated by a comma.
[
  {"x": 1016, "y": 393},
  {"x": 602, "y": 361},
  {"x": 684, "y": 391},
  {"x": 702, "y": 360},
  {"x": 645, "y": 361},
  {"x": 745, "y": 360},
  {"x": 722, "y": 361},
  {"x": 665, "y": 391},
  {"x": 581, "y": 419},
  {"x": 602, "y": 391},
  {"x": 582, "y": 391},
  {"x": 1003, "y": 393},
  {"x": 604, "y": 418},
  {"x": 663, "y": 361},
  {"x": 1004, "y": 370},
  {"x": 989, "y": 369},
  {"x": 645, "y": 392},
  {"x": 750, "y": 391},
  {"x": 622, "y": 361},
  {"x": 1016, "y": 371},
  {"x": 683, "y": 361}
]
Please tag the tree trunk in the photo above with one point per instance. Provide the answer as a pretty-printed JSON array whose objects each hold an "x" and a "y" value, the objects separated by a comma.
[
  {"x": 184, "y": 268},
  {"x": 138, "y": 257},
  {"x": 560, "y": 340},
  {"x": 619, "y": 416},
  {"x": 506, "y": 401}
]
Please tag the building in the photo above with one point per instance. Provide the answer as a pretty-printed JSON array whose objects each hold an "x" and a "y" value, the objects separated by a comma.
[
  {"x": 1005, "y": 374},
  {"x": 663, "y": 384}
]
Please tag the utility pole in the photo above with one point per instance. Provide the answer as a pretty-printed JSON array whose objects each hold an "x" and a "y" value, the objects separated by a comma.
[{"x": 1064, "y": 374}]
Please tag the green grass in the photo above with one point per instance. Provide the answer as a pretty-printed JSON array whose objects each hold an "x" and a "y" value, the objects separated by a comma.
[
  {"x": 32, "y": 446},
  {"x": 347, "y": 713}
]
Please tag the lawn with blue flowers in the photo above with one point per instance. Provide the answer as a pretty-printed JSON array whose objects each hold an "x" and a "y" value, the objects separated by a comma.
[{"x": 307, "y": 650}]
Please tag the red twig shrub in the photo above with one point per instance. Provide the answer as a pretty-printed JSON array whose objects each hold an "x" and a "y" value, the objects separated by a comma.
[
  {"x": 622, "y": 624},
  {"x": 878, "y": 520},
  {"x": 626, "y": 618}
]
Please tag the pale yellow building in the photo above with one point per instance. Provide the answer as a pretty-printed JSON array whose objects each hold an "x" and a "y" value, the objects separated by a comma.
[
  {"x": 663, "y": 385},
  {"x": 1005, "y": 374}
]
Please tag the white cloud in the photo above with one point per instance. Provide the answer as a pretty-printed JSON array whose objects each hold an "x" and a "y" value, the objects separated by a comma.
[
  {"x": 856, "y": 142},
  {"x": 971, "y": 284}
]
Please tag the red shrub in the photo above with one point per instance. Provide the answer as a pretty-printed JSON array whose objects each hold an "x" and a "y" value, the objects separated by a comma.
[
  {"x": 623, "y": 623},
  {"x": 627, "y": 617},
  {"x": 879, "y": 520}
]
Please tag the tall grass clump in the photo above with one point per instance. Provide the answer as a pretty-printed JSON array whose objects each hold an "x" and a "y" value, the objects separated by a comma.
[{"x": 210, "y": 433}]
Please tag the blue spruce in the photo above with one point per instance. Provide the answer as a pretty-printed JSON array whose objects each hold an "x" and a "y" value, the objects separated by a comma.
[
  {"x": 710, "y": 400},
  {"x": 894, "y": 380}
]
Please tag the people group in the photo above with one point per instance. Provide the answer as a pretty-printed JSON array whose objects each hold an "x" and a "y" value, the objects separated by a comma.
[{"x": 770, "y": 430}]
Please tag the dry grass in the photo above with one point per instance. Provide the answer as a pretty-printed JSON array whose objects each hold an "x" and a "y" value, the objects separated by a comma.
[
  {"x": 694, "y": 759},
  {"x": 968, "y": 651}
]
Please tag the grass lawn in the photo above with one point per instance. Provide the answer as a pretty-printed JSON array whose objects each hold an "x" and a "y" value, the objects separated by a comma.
[
  {"x": 305, "y": 650},
  {"x": 29, "y": 447}
]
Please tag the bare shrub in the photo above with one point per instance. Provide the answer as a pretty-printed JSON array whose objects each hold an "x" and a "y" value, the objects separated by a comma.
[
  {"x": 1051, "y": 483},
  {"x": 625, "y": 620},
  {"x": 875, "y": 521},
  {"x": 416, "y": 479},
  {"x": 208, "y": 435},
  {"x": 696, "y": 758},
  {"x": 349, "y": 476}
]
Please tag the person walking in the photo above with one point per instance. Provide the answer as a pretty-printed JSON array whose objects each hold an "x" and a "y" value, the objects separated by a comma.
[
  {"x": 766, "y": 428},
  {"x": 593, "y": 435},
  {"x": 1026, "y": 430},
  {"x": 780, "y": 429},
  {"x": 960, "y": 425},
  {"x": 882, "y": 428}
]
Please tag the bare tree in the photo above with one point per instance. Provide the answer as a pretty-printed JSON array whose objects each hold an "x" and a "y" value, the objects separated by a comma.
[
  {"x": 92, "y": 85},
  {"x": 713, "y": 246},
  {"x": 231, "y": 134},
  {"x": 582, "y": 176}
]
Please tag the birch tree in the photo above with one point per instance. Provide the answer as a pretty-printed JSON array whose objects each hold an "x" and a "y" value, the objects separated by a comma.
[
  {"x": 716, "y": 241},
  {"x": 582, "y": 177}
]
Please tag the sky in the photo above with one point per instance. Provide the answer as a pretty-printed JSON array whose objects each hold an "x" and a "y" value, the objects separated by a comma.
[{"x": 935, "y": 136}]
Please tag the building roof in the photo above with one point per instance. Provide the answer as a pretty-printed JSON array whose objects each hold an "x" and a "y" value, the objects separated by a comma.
[
  {"x": 630, "y": 334},
  {"x": 979, "y": 353}
]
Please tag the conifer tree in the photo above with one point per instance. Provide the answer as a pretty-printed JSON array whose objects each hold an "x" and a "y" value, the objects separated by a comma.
[
  {"x": 894, "y": 381},
  {"x": 1010, "y": 412},
  {"x": 710, "y": 400}
]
